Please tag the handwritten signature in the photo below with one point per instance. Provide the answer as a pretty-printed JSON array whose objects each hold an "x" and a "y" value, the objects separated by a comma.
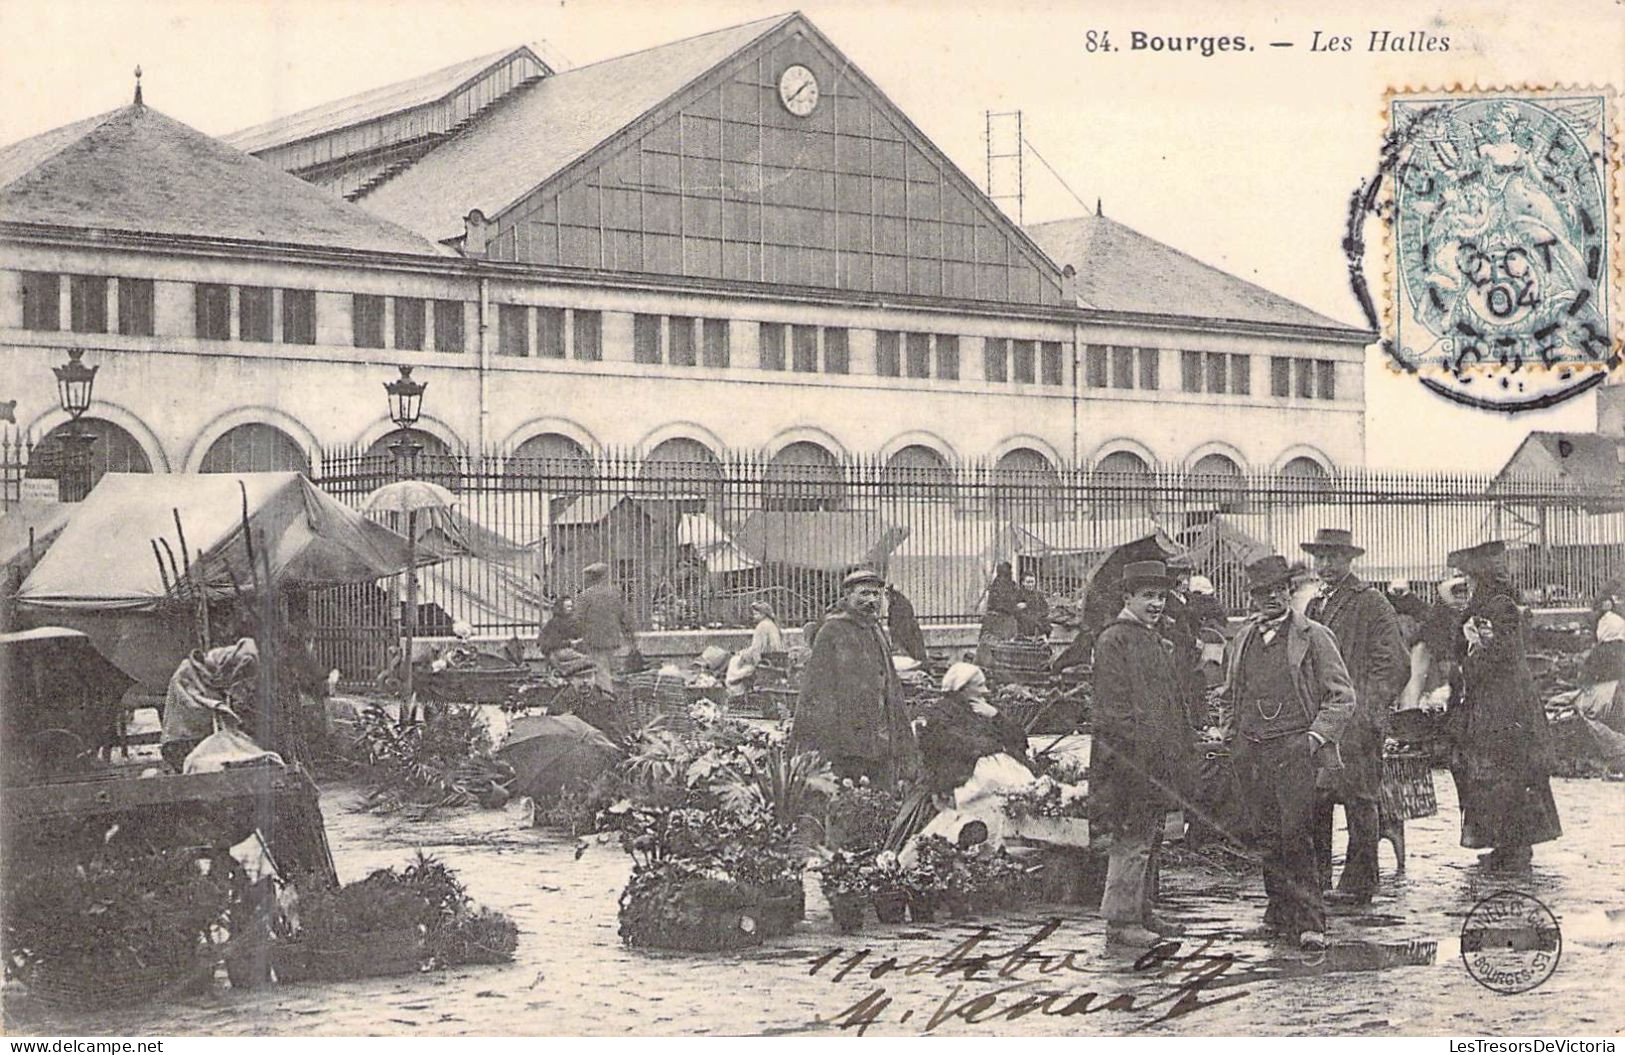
[{"x": 1173, "y": 981}]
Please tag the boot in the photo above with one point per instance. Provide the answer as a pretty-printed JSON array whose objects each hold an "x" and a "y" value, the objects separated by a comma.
[
  {"x": 1165, "y": 927},
  {"x": 1393, "y": 829},
  {"x": 1131, "y": 935}
]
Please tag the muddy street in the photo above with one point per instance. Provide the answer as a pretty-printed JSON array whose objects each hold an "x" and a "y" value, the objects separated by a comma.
[{"x": 1394, "y": 968}]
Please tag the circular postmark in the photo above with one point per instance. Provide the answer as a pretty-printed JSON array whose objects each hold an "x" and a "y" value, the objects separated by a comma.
[{"x": 1510, "y": 942}]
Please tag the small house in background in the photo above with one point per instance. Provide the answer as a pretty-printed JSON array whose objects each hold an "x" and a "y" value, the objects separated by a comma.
[{"x": 1583, "y": 459}]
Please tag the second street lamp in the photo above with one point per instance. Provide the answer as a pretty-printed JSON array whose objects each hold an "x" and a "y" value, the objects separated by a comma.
[
  {"x": 405, "y": 406},
  {"x": 75, "y": 384}
]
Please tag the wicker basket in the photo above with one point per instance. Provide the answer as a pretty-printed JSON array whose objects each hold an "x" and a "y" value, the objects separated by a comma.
[
  {"x": 1020, "y": 660},
  {"x": 79, "y": 987},
  {"x": 366, "y": 956},
  {"x": 1407, "y": 786}
]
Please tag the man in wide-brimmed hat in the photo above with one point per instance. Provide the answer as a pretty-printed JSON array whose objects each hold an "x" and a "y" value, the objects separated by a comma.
[
  {"x": 851, "y": 705},
  {"x": 1368, "y": 636},
  {"x": 1140, "y": 761},
  {"x": 605, "y": 625},
  {"x": 1289, "y": 699}
]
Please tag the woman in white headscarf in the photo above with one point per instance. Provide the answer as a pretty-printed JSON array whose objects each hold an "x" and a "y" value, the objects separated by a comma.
[
  {"x": 959, "y": 730},
  {"x": 767, "y": 637}
]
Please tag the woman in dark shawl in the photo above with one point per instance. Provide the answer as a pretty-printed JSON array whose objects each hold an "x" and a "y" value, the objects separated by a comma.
[
  {"x": 961, "y": 728},
  {"x": 1501, "y": 749}
]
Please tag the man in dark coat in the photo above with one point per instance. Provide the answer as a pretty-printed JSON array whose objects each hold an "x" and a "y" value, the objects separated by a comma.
[
  {"x": 1032, "y": 609},
  {"x": 1139, "y": 763},
  {"x": 999, "y": 620},
  {"x": 1289, "y": 698},
  {"x": 904, "y": 624},
  {"x": 604, "y": 624},
  {"x": 1373, "y": 650},
  {"x": 851, "y": 706}
]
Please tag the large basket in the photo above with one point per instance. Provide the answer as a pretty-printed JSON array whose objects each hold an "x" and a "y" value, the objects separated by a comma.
[
  {"x": 367, "y": 956},
  {"x": 1407, "y": 786},
  {"x": 74, "y": 987},
  {"x": 1020, "y": 660},
  {"x": 652, "y": 695}
]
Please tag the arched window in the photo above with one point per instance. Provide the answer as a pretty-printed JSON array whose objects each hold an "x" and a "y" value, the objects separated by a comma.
[
  {"x": 916, "y": 471},
  {"x": 551, "y": 462},
  {"x": 1026, "y": 478},
  {"x": 803, "y": 476},
  {"x": 78, "y": 454},
  {"x": 1306, "y": 469},
  {"x": 682, "y": 461},
  {"x": 1216, "y": 480},
  {"x": 1121, "y": 484},
  {"x": 254, "y": 448},
  {"x": 433, "y": 460}
]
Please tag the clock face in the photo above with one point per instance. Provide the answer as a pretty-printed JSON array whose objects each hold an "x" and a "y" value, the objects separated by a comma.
[{"x": 798, "y": 90}]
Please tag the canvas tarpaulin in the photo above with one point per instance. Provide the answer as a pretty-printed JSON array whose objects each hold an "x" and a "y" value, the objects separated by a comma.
[
  {"x": 821, "y": 541},
  {"x": 103, "y": 560},
  {"x": 28, "y": 529}
]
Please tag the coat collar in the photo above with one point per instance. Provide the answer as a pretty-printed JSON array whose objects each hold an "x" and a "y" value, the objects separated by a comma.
[{"x": 1297, "y": 636}]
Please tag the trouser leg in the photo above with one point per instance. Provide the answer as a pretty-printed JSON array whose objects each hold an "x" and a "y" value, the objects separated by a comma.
[
  {"x": 603, "y": 669},
  {"x": 1153, "y": 871},
  {"x": 1294, "y": 773},
  {"x": 1360, "y": 864},
  {"x": 1324, "y": 822},
  {"x": 1258, "y": 791},
  {"x": 1123, "y": 900}
]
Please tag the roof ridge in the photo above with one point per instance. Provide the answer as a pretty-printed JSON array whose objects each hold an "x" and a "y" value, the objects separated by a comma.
[{"x": 776, "y": 19}]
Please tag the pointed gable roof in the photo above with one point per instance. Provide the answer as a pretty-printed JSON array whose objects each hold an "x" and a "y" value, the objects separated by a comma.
[
  {"x": 1585, "y": 458},
  {"x": 516, "y": 149},
  {"x": 1120, "y": 269},
  {"x": 138, "y": 171}
]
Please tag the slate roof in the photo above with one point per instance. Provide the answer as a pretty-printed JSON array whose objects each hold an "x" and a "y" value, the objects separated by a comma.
[
  {"x": 354, "y": 109},
  {"x": 521, "y": 145},
  {"x": 1120, "y": 269},
  {"x": 1586, "y": 458},
  {"x": 136, "y": 170}
]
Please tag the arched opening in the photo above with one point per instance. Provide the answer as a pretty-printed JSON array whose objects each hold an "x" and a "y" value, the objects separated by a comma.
[
  {"x": 254, "y": 448},
  {"x": 78, "y": 454},
  {"x": 1216, "y": 480},
  {"x": 803, "y": 476},
  {"x": 681, "y": 461},
  {"x": 917, "y": 471},
  {"x": 1306, "y": 469},
  {"x": 551, "y": 462},
  {"x": 1026, "y": 479},
  {"x": 433, "y": 459},
  {"x": 1121, "y": 484}
]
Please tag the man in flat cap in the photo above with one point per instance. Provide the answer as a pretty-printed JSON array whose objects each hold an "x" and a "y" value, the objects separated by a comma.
[
  {"x": 1373, "y": 649},
  {"x": 1140, "y": 761},
  {"x": 851, "y": 705},
  {"x": 1289, "y": 698},
  {"x": 604, "y": 624}
]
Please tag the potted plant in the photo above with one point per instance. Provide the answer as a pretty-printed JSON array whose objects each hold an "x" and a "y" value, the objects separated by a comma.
[
  {"x": 1050, "y": 811},
  {"x": 951, "y": 872},
  {"x": 860, "y": 817},
  {"x": 847, "y": 883},
  {"x": 889, "y": 893}
]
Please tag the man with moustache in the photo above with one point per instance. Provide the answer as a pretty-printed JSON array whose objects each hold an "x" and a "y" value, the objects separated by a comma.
[
  {"x": 1289, "y": 698},
  {"x": 1373, "y": 650},
  {"x": 851, "y": 706}
]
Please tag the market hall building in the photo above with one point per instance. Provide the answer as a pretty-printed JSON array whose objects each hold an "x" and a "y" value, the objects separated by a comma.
[{"x": 734, "y": 241}]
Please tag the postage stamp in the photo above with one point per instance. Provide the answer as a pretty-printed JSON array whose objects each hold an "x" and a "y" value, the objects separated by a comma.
[
  {"x": 1503, "y": 242},
  {"x": 1511, "y": 942}
]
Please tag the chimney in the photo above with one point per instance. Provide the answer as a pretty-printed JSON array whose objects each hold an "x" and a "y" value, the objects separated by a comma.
[
  {"x": 1611, "y": 410},
  {"x": 475, "y": 232}
]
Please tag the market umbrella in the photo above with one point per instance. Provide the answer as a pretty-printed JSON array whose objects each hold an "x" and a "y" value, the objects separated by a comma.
[
  {"x": 553, "y": 753},
  {"x": 410, "y": 497}
]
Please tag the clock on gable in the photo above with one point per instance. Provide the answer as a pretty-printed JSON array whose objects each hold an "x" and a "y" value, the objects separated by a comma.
[{"x": 798, "y": 90}]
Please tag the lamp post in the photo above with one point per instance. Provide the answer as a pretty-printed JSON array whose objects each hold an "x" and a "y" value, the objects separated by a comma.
[
  {"x": 75, "y": 382},
  {"x": 405, "y": 406}
]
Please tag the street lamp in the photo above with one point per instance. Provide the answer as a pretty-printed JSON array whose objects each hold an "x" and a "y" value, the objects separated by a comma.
[
  {"x": 74, "y": 384},
  {"x": 405, "y": 406}
]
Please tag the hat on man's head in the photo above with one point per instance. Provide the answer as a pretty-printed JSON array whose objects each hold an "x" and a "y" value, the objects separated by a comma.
[
  {"x": 1477, "y": 556},
  {"x": 1268, "y": 573},
  {"x": 1143, "y": 573},
  {"x": 1333, "y": 540},
  {"x": 595, "y": 571},
  {"x": 860, "y": 576},
  {"x": 1181, "y": 564}
]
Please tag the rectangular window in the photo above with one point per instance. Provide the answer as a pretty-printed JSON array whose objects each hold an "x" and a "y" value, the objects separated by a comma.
[
  {"x": 1305, "y": 371},
  {"x": 1280, "y": 376},
  {"x": 919, "y": 355},
  {"x": 995, "y": 359},
  {"x": 837, "y": 351},
  {"x": 805, "y": 349},
  {"x": 298, "y": 316},
  {"x": 646, "y": 338},
  {"x": 1023, "y": 369},
  {"x": 410, "y": 323},
  {"x": 1096, "y": 369},
  {"x": 947, "y": 357},
  {"x": 448, "y": 325},
  {"x": 135, "y": 307},
  {"x": 1218, "y": 370},
  {"x": 1150, "y": 368},
  {"x": 772, "y": 345},
  {"x": 42, "y": 300},
  {"x": 680, "y": 350},
  {"x": 87, "y": 303},
  {"x": 550, "y": 333},
  {"x": 1122, "y": 368},
  {"x": 513, "y": 330},
  {"x": 1241, "y": 375},
  {"x": 589, "y": 334},
  {"x": 1190, "y": 371},
  {"x": 253, "y": 313},
  {"x": 213, "y": 311},
  {"x": 1053, "y": 371},
  {"x": 888, "y": 353},
  {"x": 1327, "y": 371},
  {"x": 716, "y": 349},
  {"x": 367, "y": 321}
]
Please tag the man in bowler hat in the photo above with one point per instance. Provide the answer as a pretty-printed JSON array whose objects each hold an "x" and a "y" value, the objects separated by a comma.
[
  {"x": 1373, "y": 649},
  {"x": 1289, "y": 699}
]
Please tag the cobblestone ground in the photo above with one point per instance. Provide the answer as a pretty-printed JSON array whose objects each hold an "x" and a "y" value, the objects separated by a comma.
[{"x": 1394, "y": 967}]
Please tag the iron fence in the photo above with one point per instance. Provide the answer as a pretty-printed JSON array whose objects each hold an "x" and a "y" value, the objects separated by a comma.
[{"x": 693, "y": 543}]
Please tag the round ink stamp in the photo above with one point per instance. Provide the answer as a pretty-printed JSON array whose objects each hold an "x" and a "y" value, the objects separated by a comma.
[{"x": 1510, "y": 942}]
